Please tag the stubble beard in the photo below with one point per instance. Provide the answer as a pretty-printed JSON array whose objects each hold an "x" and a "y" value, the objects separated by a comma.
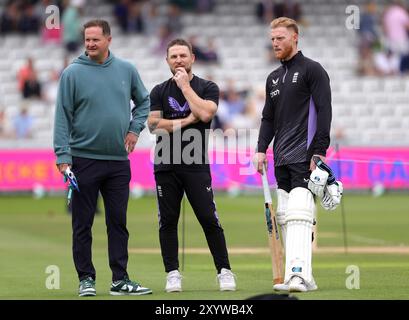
[
  {"x": 284, "y": 54},
  {"x": 188, "y": 69}
]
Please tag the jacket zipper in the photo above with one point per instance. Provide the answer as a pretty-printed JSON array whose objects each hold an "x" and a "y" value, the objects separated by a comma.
[{"x": 286, "y": 70}]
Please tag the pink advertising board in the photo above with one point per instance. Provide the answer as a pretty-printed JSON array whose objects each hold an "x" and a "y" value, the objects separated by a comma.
[{"x": 358, "y": 168}]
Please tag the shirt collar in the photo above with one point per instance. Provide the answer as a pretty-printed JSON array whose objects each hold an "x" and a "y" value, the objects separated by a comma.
[{"x": 295, "y": 58}]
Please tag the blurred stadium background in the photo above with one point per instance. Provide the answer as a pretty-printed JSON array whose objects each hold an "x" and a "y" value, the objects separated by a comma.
[
  {"x": 231, "y": 39},
  {"x": 370, "y": 138},
  {"x": 370, "y": 110}
]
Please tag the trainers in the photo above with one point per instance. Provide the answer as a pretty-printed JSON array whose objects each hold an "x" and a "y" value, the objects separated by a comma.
[
  {"x": 128, "y": 287},
  {"x": 297, "y": 284},
  {"x": 87, "y": 287},
  {"x": 311, "y": 286},
  {"x": 226, "y": 280},
  {"x": 280, "y": 287},
  {"x": 173, "y": 281}
]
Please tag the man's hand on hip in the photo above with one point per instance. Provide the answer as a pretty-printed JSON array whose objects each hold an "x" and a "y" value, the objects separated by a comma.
[{"x": 130, "y": 141}]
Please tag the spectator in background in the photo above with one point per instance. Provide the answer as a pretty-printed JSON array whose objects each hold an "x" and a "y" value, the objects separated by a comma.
[
  {"x": 174, "y": 21},
  {"x": 23, "y": 124},
  {"x": 135, "y": 19},
  {"x": 51, "y": 87},
  {"x": 396, "y": 26},
  {"x": 151, "y": 18},
  {"x": 288, "y": 9},
  {"x": 71, "y": 25},
  {"x": 368, "y": 35},
  {"x": 235, "y": 103},
  {"x": 279, "y": 9},
  {"x": 205, "y": 55},
  {"x": 404, "y": 64},
  {"x": 32, "y": 87},
  {"x": 232, "y": 105},
  {"x": 29, "y": 22},
  {"x": 204, "y": 6},
  {"x": 368, "y": 41},
  {"x": 9, "y": 18},
  {"x": 184, "y": 5},
  {"x": 366, "y": 65},
  {"x": 25, "y": 73},
  {"x": 293, "y": 10},
  {"x": 121, "y": 12},
  {"x": 254, "y": 107},
  {"x": 387, "y": 63},
  {"x": 211, "y": 54},
  {"x": 266, "y": 10}
]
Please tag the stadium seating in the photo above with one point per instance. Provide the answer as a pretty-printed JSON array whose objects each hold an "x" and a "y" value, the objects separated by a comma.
[{"x": 369, "y": 110}]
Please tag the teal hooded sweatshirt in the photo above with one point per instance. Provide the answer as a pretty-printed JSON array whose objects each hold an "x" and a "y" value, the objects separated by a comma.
[{"x": 93, "y": 112}]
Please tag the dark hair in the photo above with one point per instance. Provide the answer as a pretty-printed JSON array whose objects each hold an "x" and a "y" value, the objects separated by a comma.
[
  {"x": 104, "y": 25},
  {"x": 179, "y": 42}
]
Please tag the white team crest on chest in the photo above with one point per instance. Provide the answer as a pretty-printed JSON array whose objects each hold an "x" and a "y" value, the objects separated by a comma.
[{"x": 295, "y": 77}]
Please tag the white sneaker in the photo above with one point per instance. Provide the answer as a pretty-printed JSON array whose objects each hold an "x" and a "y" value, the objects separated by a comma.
[
  {"x": 226, "y": 280},
  {"x": 297, "y": 284},
  {"x": 311, "y": 286},
  {"x": 174, "y": 281},
  {"x": 280, "y": 287}
]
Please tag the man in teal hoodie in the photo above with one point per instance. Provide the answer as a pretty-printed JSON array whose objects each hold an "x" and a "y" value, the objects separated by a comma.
[{"x": 95, "y": 130}]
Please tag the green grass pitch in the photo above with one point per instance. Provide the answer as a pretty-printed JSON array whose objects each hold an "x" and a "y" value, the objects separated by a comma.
[{"x": 36, "y": 233}]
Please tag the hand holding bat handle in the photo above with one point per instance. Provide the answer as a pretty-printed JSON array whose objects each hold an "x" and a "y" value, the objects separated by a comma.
[
  {"x": 72, "y": 183},
  {"x": 69, "y": 175}
]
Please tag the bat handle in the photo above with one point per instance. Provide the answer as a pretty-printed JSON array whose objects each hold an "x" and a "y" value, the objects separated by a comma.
[
  {"x": 266, "y": 187},
  {"x": 69, "y": 196}
]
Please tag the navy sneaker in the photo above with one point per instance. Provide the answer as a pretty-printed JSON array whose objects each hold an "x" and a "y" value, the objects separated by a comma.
[{"x": 87, "y": 287}]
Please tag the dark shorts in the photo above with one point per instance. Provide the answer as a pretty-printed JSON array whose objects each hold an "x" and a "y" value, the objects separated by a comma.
[{"x": 292, "y": 175}]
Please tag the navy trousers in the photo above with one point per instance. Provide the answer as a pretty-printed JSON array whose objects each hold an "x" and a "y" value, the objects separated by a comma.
[
  {"x": 170, "y": 186},
  {"x": 111, "y": 178}
]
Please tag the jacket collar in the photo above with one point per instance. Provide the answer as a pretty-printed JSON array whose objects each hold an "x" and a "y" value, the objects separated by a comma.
[{"x": 295, "y": 58}]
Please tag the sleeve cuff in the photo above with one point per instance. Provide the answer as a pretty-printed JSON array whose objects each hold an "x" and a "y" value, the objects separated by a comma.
[
  {"x": 136, "y": 128},
  {"x": 64, "y": 158}
]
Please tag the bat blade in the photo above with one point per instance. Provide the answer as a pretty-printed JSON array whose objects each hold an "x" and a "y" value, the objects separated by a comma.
[{"x": 275, "y": 245}]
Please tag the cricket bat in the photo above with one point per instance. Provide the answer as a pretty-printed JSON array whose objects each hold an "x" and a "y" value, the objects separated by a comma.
[{"x": 274, "y": 239}]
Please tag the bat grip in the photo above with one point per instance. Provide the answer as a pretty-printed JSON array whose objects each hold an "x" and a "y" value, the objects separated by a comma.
[
  {"x": 69, "y": 196},
  {"x": 266, "y": 187}
]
